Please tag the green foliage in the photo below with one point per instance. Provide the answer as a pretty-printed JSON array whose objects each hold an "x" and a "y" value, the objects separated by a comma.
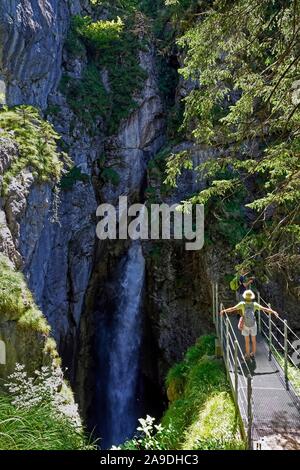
[
  {"x": 109, "y": 175},
  {"x": 157, "y": 170},
  {"x": 39, "y": 412},
  {"x": 16, "y": 301},
  {"x": 123, "y": 5},
  {"x": 151, "y": 436},
  {"x": 106, "y": 173},
  {"x": 293, "y": 371},
  {"x": 37, "y": 143},
  {"x": 225, "y": 218},
  {"x": 36, "y": 429},
  {"x": 155, "y": 252},
  {"x": 201, "y": 413},
  {"x": 87, "y": 96},
  {"x": 69, "y": 179},
  {"x": 245, "y": 54},
  {"x": 112, "y": 48},
  {"x": 99, "y": 34},
  {"x": 53, "y": 109}
]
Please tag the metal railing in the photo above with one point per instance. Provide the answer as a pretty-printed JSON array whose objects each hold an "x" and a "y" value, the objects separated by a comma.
[
  {"x": 280, "y": 339},
  {"x": 239, "y": 374}
]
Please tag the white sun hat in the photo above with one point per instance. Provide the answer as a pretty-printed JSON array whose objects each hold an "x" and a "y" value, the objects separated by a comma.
[{"x": 249, "y": 295}]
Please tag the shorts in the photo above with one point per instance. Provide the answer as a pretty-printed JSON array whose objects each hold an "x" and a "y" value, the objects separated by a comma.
[{"x": 249, "y": 330}]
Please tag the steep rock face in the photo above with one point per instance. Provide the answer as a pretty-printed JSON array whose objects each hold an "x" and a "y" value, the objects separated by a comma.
[
  {"x": 50, "y": 236},
  {"x": 59, "y": 253},
  {"x": 8, "y": 150},
  {"x": 178, "y": 301},
  {"x": 32, "y": 35},
  {"x": 139, "y": 137}
]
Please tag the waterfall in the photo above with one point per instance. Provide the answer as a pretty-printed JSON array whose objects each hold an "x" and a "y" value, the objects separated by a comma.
[{"x": 119, "y": 341}]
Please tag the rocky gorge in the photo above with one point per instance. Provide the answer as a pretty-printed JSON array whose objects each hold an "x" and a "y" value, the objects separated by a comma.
[
  {"x": 48, "y": 229},
  {"x": 51, "y": 237}
]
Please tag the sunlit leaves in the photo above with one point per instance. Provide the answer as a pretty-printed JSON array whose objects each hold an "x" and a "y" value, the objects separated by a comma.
[{"x": 243, "y": 57}]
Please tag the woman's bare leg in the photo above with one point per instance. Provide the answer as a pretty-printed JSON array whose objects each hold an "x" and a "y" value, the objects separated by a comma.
[
  {"x": 247, "y": 345},
  {"x": 253, "y": 339}
]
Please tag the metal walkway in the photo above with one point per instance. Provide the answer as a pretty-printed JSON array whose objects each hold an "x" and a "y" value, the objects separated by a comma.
[{"x": 267, "y": 403}]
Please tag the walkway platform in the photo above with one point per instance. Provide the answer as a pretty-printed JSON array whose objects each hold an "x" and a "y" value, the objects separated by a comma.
[{"x": 275, "y": 410}]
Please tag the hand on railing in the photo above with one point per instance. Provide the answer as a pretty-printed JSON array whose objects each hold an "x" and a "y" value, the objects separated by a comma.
[{"x": 269, "y": 310}]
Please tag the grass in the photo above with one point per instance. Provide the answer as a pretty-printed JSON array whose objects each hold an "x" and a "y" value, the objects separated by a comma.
[
  {"x": 37, "y": 428},
  {"x": 16, "y": 301},
  {"x": 201, "y": 410},
  {"x": 293, "y": 371},
  {"x": 37, "y": 144}
]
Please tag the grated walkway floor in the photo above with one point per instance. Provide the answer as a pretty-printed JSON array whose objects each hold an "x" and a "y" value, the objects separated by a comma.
[{"x": 276, "y": 411}]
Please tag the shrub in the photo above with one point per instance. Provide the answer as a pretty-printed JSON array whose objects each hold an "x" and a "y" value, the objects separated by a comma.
[
  {"x": 151, "y": 436},
  {"x": 70, "y": 178},
  {"x": 111, "y": 48},
  {"x": 98, "y": 34},
  {"x": 110, "y": 175},
  {"x": 37, "y": 142}
]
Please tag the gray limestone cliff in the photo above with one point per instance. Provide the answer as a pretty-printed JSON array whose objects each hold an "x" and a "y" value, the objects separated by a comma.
[{"x": 51, "y": 236}]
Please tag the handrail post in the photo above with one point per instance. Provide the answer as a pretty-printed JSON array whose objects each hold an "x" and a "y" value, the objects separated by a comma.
[
  {"x": 214, "y": 303},
  {"x": 250, "y": 416},
  {"x": 259, "y": 313},
  {"x": 236, "y": 376},
  {"x": 227, "y": 343},
  {"x": 286, "y": 372},
  {"x": 217, "y": 319},
  {"x": 270, "y": 336},
  {"x": 222, "y": 330},
  {"x": 217, "y": 303}
]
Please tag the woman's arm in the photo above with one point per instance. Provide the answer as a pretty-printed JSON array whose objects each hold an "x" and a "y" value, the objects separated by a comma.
[
  {"x": 269, "y": 310},
  {"x": 236, "y": 308}
]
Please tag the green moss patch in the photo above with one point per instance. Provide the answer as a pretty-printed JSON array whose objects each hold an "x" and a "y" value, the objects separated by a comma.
[{"x": 16, "y": 301}]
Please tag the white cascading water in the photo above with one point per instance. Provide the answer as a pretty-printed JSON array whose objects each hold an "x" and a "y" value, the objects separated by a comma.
[{"x": 124, "y": 350}]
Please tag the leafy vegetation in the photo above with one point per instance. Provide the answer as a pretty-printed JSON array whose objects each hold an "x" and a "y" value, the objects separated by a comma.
[
  {"x": 201, "y": 413},
  {"x": 38, "y": 414},
  {"x": 151, "y": 436},
  {"x": 35, "y": 428},
  {"x": 87, "y": 96},
  {"x": 293, "y": 371},
  {"x": 37, "y": 143},
  {"x": 112, "y": 47},
  {"x": 74, "y": 174},
  {"x": 244, "y": 56},
  {"x": 16, "y": 301}
]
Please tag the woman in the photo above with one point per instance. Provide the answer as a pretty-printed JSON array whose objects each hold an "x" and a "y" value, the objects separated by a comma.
[
  {"x": 247, "y": 309},
  {"x": 243, "y": 284}
]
